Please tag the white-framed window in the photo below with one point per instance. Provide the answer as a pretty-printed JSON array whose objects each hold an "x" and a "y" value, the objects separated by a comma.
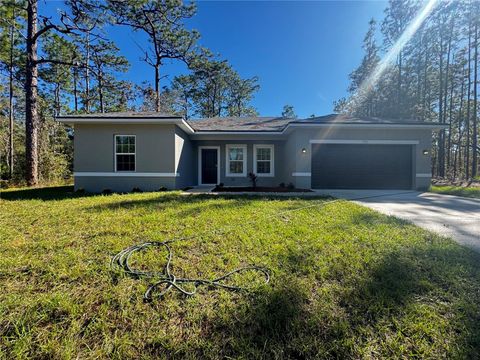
[
  {"x": 125, "y": 152},
  {"x": 263, "y": 160},
  {"x": 236, "y": 160}
]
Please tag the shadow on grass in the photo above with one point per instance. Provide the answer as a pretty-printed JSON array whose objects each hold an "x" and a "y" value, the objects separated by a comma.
[
  {"x": 197, "y": 203},
  {"x": 394, "y": 309},
  {"x": 46, "y": 193}
]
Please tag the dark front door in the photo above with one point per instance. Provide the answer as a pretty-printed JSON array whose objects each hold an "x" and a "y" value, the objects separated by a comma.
[
  {"x": 362, "y": 166},
  {"x": 209, "y": 166}
]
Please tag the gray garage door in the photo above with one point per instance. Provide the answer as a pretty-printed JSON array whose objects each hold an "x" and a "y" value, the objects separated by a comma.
[{"x": 341, "y": 166}]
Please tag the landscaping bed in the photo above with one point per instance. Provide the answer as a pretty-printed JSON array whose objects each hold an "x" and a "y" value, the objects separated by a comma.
[{"x": 266, "y": 189}]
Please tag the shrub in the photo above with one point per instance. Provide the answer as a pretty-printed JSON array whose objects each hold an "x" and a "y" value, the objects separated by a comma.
[
  {"x": 136, "y": 190},
  {"x": 282, "y": 185},
  {"x": 290, "y": 186},
  {"x": 221, "y": 185},
  {"x": 163, "y": 188},
  {"x": 106, "y": 191},
  {"x": 253, "y": 178}
]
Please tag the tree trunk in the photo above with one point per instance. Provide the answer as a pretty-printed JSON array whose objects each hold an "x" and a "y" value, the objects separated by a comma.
[
  {"x": 31, "y": 110},
  {"x": 467, "y": 122},
  {"x": 458, "y": 152},
  {"x": 399, "y": 85},
  {"x": 100, "y": 94},
  {"x": 441, "y": 135},
  {"x": 75, "y": 90},
  {"x": 10, "y": 98},
  {"x": 157, "y": 87},
  {"x": 87, "y": 74},
  {"x": 475, "y": 110}
]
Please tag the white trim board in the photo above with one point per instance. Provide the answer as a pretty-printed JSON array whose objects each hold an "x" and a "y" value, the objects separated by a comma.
[
  {"x": 383, "y": 142},
  {"x": 124, "y": 174},
  {"x": 301, "y": 174}
]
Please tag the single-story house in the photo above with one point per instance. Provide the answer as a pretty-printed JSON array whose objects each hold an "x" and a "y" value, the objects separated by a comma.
[{"x": 123, "y": 151}]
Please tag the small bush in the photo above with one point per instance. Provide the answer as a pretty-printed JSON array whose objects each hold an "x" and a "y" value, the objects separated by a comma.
[
  {"x": 163, "y": 188},
  {"x": 80, "y": 191},
  {"x": 136, "y": 190},
  {"x": 107, "y": 192},
  {"x": 290, "y": 186},
  {"x": 282, "y": 185},
  {"x": 253, "y": 178},
  {"x": 221, "y": 185}
]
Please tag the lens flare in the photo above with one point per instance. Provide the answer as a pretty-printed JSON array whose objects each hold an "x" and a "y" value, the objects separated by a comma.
[{"x": 367, "y": 85}]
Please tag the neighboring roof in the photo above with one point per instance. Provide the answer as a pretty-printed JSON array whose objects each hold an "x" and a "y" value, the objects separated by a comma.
[
  {"x": 251, "y": 123},
  {"x": 122, "y": 115}
]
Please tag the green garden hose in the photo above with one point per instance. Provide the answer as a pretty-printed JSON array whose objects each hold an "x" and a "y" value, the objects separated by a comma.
[{"x": 165, "y": 278}]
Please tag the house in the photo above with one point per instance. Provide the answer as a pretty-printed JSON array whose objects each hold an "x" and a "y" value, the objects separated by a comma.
[{"x": 122, "y": 151}]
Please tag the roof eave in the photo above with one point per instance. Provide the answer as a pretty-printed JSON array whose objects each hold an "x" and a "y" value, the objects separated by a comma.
[{"x": 72, "y": 120}]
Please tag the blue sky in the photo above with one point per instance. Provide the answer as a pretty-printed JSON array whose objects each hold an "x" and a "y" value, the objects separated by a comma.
[{"x": 302, "y": 52}]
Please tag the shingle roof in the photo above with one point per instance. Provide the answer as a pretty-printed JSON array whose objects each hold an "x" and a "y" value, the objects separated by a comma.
[
  {"x": 349, "y": 119},
  {"x": 279, "y": 123},
  {"x": 253, "y": 123}
]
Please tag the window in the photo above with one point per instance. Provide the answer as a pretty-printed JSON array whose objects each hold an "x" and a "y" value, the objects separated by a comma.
[
  {"x": 263, "y": 160},
  {"x": 124, "y": 152},
  {"x": 236, "y": 160}
]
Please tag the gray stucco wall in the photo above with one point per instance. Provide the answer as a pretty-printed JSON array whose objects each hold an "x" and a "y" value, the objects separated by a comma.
[
  {"x": 94, "y": 153},
  {"x": 162, "y": 151},
  {"x": 279, "y": 159},
  {"x": 300, "y": 138},
  {"x": 184, "y": 160}
]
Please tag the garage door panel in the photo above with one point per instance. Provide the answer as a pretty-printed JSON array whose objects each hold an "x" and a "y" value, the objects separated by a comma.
[{"x": 361, "y": 166}]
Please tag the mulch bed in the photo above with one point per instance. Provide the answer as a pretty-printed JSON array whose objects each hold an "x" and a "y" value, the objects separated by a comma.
[{"x": 258, "y": 189}]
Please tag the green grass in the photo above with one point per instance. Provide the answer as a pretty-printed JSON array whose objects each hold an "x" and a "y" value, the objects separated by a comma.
[
  {"x": 347, "y": 282},
  {"x": 471, "y": 192}
]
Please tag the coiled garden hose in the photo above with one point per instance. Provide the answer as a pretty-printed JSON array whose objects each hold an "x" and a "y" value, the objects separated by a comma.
[{"x": 121, "y": 261}]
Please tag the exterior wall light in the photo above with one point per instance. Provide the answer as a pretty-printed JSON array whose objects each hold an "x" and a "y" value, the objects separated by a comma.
[
  {"x": 426, "y": 152},
  {"x": 304, "y": 151}
]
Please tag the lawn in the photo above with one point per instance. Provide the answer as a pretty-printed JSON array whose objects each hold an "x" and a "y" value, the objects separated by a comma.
[
  {"x": 347, "y": 282},
  {"x": 472, "y": 192}
]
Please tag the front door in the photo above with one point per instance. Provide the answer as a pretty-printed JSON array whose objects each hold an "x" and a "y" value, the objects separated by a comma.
[{"x": 209, "y": 166}]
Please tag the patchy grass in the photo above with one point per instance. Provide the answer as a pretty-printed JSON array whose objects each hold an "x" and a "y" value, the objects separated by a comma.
[
  {"x": 347, "y": 282},
  {"x": 471, "y": 192}
]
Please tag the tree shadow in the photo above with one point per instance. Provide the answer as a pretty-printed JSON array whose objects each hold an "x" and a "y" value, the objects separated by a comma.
[
  {"x": 45, "y": 194},
  {"x": 198, "y": 203},
  {"x": 296, "y": 318}
]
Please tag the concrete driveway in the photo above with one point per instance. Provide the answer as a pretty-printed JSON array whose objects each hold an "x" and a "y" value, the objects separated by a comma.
[{"x": 452, "y": 216}]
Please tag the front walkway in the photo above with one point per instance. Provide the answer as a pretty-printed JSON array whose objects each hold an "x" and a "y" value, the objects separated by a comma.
[{"x": 453, "y": 216}]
